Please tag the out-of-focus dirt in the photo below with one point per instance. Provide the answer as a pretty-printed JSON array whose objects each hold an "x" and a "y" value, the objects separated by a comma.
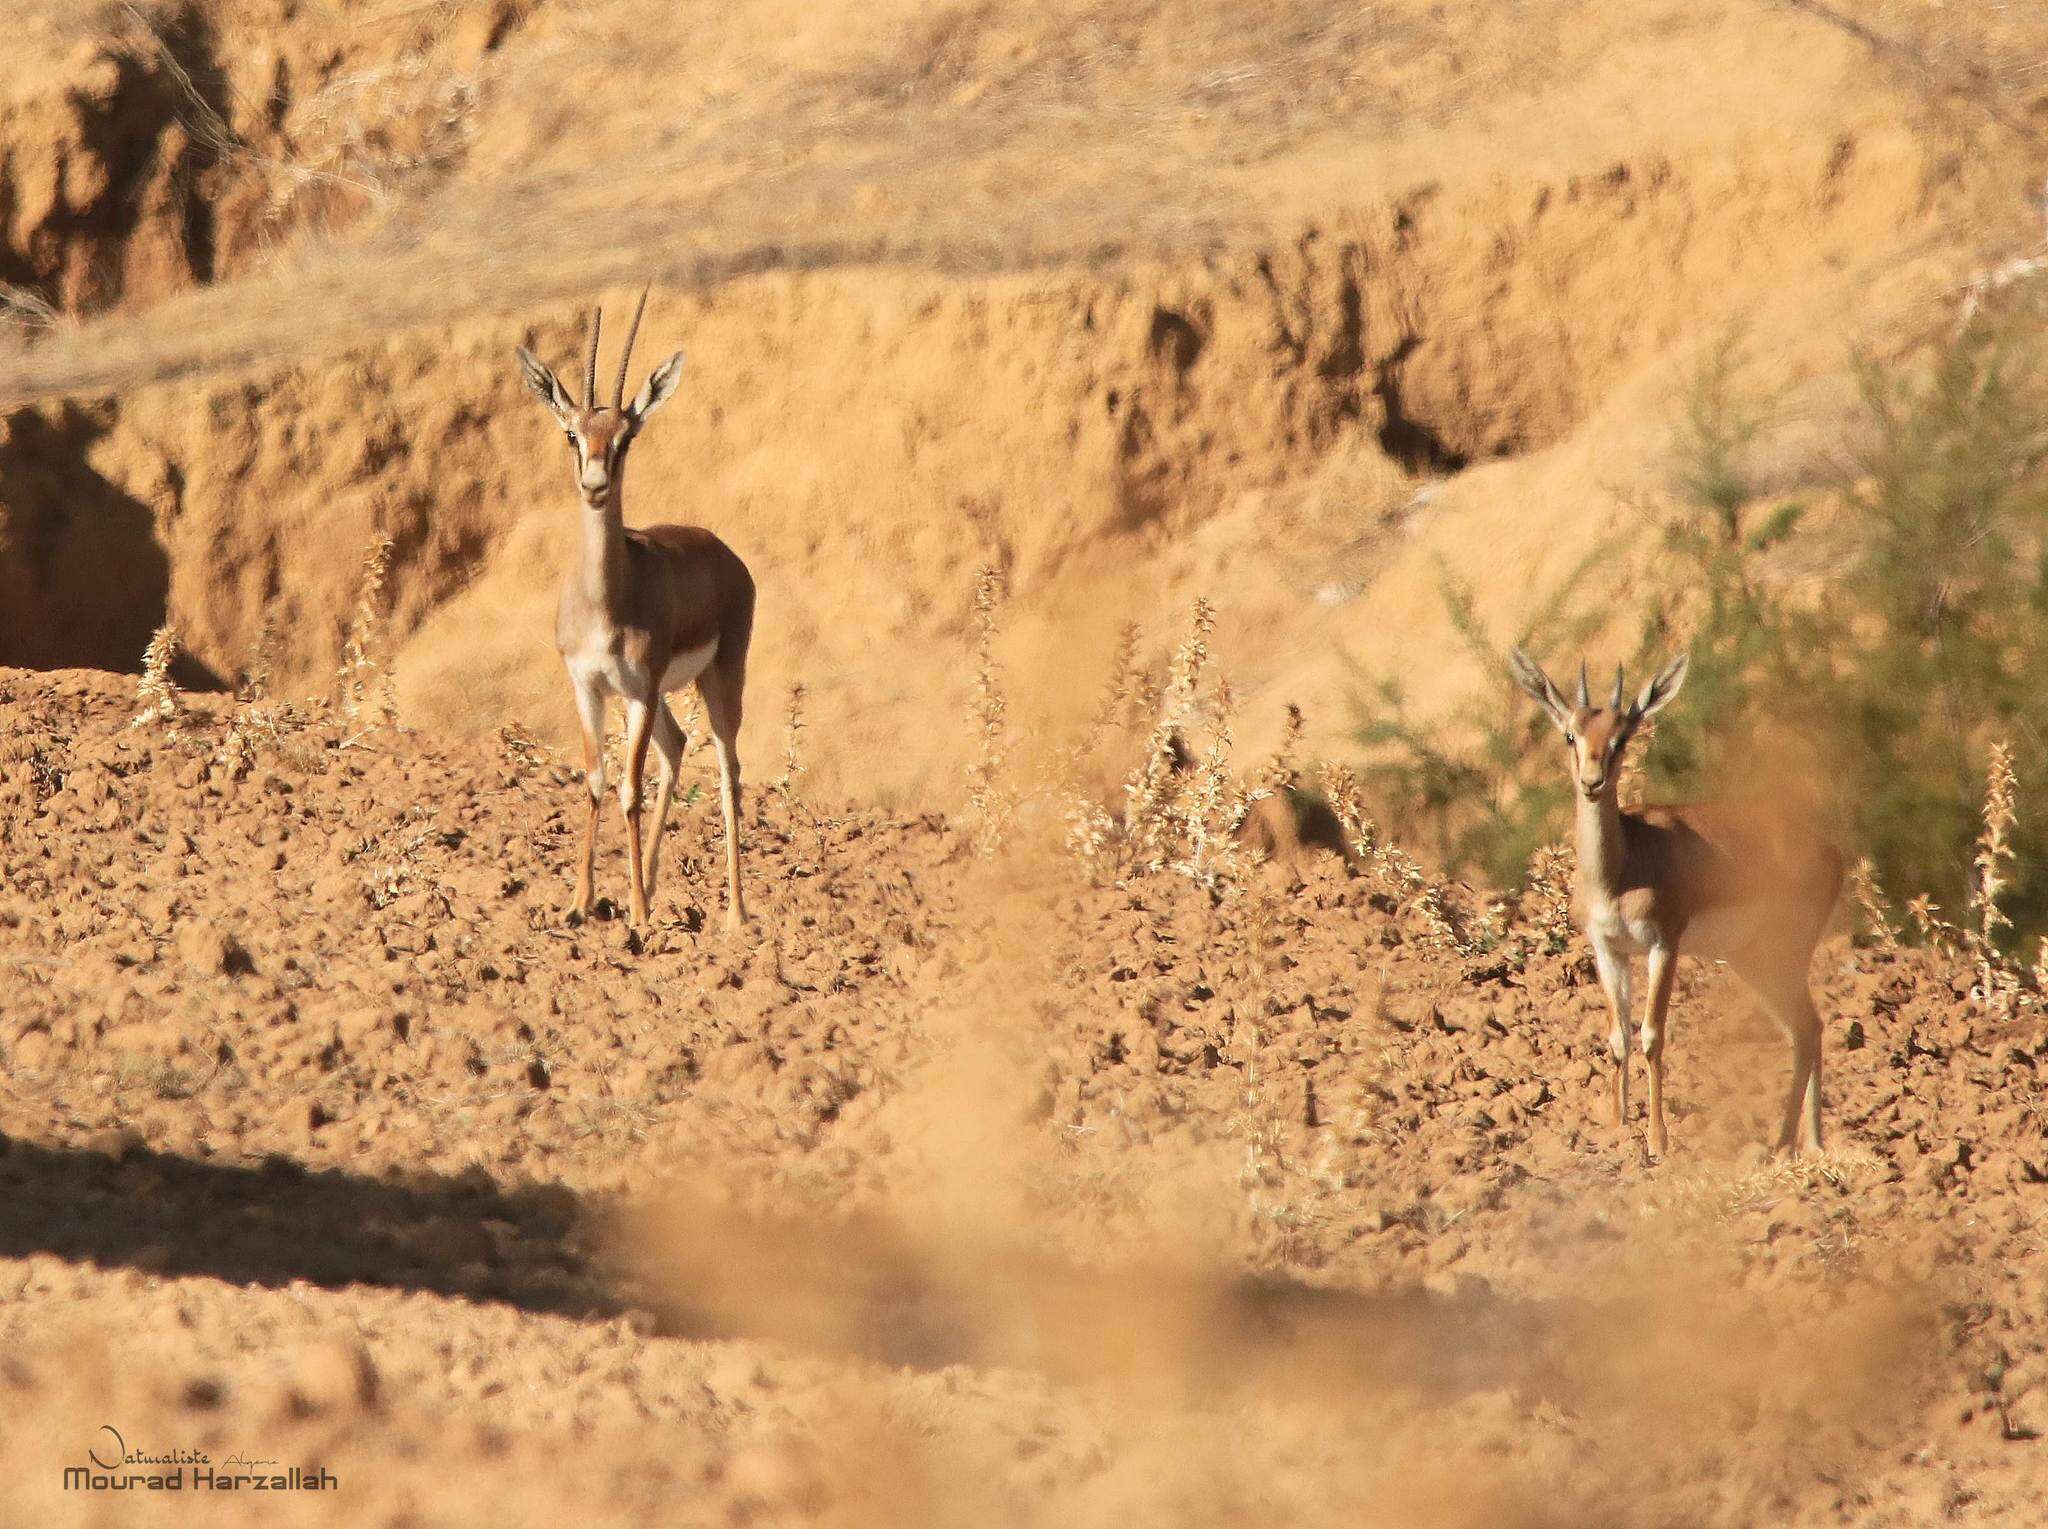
[{"x": 951, "y": 1191}]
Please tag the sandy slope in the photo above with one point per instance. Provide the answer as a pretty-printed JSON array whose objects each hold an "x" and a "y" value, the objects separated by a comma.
[
  {"x": 1136, "y": 302},
  {"x": 951, "y": 1193}
]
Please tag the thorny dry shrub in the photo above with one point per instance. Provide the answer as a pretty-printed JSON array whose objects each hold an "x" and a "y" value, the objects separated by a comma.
[
  {"x": 1183, "y": 806},
  {"x": 1452, "y": 930},
  {"x": 1547, "y": 899}
]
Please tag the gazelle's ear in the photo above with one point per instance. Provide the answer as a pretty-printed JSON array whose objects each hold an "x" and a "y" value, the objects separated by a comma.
[
  {"x": 659, "y": 388},
  {"x": 546, "y": 386},
  {"x": 1530, "y": 676},
  {"x": 1662, "y": 690}
]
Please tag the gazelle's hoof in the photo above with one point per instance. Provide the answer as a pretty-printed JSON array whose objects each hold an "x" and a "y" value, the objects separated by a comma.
[
  {"x": 1660, "y": 1144},
  {"x": 574, "y": 913}
]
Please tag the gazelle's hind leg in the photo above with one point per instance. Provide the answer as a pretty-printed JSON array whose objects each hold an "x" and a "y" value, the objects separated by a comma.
[
  {"x": 1785, "y": 993},
  {"x": 590, "y": 713},
  {"x": 668, "y": 759},
  {"x": 1663, "y": 967},
  {"x": 721, "y": 689},
  {"x": 1614, "y": 981}
]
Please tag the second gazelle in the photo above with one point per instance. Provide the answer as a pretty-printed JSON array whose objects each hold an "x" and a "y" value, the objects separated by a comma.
[
  {"x": 644, "y": 611},
  {"x": 1703, "y": 880}
]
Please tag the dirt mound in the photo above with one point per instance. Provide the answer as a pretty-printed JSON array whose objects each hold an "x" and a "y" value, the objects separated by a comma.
[{"x": 313, "y": 1101}]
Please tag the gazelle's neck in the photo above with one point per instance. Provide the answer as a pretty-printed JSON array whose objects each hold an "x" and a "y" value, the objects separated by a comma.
[
  {"x": 601, "y": 555},
  {"x": 1599, "y": 839}
]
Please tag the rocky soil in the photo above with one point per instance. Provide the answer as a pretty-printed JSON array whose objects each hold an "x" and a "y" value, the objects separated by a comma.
[{"x": 951, "y": 1190}]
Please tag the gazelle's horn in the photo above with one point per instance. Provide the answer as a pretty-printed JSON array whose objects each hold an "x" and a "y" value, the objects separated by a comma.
[
  {"x": 1615, "y": 704},
  {"x": 590, "y": 363},
  {"x": 626, "y": 355},
  {"x": 1585, "y": 695}
]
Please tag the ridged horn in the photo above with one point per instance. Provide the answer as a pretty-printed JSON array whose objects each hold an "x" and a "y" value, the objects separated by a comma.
[
  {"x": 590, "y": 362},
  {"x": 1615, "y": 704},
  {"x": 626, "y": 356},
  {"x": 1585, "y": 694}
]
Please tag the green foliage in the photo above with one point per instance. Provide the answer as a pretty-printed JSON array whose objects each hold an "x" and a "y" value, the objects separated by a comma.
[
  {"x": 1889, "y": 642},
  {"x": 1464, "y": 782}
]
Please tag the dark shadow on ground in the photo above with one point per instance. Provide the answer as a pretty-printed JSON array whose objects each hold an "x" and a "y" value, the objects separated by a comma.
[{"x": 277, "y": 1222}]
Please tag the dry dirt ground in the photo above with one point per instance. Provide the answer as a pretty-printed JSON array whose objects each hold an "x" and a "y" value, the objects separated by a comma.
[{"x": 953, "y": 1190}]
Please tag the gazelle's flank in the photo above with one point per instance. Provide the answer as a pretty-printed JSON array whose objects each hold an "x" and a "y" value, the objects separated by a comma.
[
  {"x": 644, "y": 611},
  {"x": 1699, "y": 880}
]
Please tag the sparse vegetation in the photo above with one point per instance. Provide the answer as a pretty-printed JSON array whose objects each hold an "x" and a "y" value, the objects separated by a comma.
[
  {"x": 1877, "y": 702},
  {"x": 1465, "y": 785}
]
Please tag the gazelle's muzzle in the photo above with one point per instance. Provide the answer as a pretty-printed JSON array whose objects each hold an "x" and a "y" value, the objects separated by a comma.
[{"x": 595, "y": 482}]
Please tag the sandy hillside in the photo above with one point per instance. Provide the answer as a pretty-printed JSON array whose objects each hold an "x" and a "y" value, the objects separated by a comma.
[{"x": 1288, "y": 307}]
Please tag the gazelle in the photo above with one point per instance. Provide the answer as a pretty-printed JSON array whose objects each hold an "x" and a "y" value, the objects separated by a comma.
[
  {"x": 644, "y": 611},
  {"x": 1703, "y": 880}
]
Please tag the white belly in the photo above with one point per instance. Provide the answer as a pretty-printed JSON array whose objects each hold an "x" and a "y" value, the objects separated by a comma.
[
  {"x": 1606, "y": 927},
  {"x": 610, "y": 673},
  {"x": 687, "y": 665},
  {"x": 604, "y": 671}
]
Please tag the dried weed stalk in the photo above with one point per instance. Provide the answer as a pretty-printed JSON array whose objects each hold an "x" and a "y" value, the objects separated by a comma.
[
  {"x": 792, "y": 751},
  {"x": 1150, "y": 822},
  {"x": 988, "y": 798},
  {"x": 156, "y": 690},
  {"x": 363, "y": 658},
  {"x": 1998, "y": 982},
  {"x": 1869, "y": 896}
]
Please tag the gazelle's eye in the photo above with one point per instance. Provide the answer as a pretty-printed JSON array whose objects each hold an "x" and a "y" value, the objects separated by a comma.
[{"x": 1570, "y": 740}]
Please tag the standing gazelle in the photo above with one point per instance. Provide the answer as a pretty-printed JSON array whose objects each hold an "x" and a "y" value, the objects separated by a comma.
[
  {"x": 1702, "y": 880},
  {"x": 643, "y": 612}
]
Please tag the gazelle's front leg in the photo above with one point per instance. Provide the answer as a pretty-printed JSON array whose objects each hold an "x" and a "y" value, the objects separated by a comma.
[
  {"x": 639, "y": 723},
  {"x": 1663, "y": 968},
  {"x": 1614, "y": 981},
  {"x": 590, "y": 712},
  {"x": 668, "y": 758}
]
